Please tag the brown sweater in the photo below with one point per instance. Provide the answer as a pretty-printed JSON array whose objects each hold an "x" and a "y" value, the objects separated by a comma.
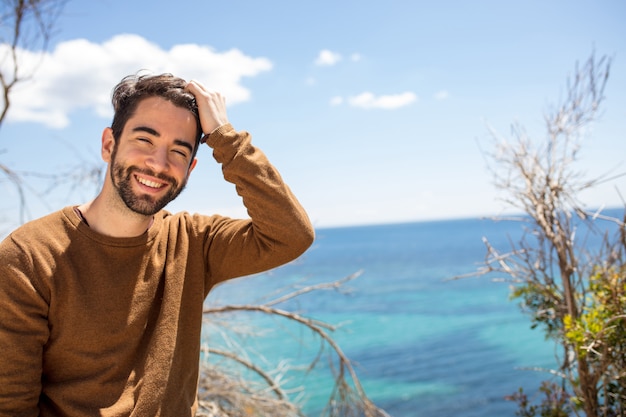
[{"x": 93, "y": 325}]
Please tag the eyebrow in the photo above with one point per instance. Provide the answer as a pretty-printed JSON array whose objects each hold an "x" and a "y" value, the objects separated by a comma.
[{"x": 153, "y": 132}]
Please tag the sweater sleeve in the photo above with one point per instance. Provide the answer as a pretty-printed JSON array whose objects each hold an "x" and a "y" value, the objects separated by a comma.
[
  {"x": 278, "y": 230},
  {"x": 23, "y": 332}
]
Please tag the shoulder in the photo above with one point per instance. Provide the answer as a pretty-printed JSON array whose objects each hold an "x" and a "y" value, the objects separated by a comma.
[
  {"x": 183, "y": 219},
  {"x": 50, "y": 230},
  {"x": 193, "y": 223}
]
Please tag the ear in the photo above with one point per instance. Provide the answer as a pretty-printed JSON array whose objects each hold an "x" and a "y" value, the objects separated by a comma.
[
  {"x": 108, "y": 144},
  {"x": 192, "y": 166}
]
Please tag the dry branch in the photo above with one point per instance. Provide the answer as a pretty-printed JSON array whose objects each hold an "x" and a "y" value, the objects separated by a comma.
[
  {"x": 552, "y": 266},
  {"x": 347, "y": 398}
]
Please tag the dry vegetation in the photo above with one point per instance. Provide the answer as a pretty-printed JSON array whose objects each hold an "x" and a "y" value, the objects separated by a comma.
[
  {"x": 573, "y": 290},
  {"x": 224, "y": 392}
]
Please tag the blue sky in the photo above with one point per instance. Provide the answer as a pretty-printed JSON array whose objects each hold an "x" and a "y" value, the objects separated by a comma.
[{"x": 373, "y": 111}]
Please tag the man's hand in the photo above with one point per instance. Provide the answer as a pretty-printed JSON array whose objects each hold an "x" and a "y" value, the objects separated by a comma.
[{"x": 211, "y": 106}]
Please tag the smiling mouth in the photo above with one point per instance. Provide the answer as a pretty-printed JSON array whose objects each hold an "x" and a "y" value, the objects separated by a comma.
[{"x": 148, "y": 183}]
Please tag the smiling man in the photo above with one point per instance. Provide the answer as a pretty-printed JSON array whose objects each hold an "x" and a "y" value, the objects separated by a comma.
[
  {"x": 101, "y": 303},
  {"x": 142, "y": 138}
]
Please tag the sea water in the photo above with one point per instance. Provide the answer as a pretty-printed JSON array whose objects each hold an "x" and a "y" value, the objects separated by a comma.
[{"x": 422, "y": 343}]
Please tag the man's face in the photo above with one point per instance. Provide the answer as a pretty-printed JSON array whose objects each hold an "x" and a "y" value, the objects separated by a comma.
[{"x": 152, "y": 160}]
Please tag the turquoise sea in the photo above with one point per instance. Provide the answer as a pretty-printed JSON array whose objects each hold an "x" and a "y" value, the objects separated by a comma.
[{"x": 422, "y": 344}]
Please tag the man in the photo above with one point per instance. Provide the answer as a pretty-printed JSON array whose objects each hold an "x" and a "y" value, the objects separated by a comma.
[{"x": 101, "y": 304}]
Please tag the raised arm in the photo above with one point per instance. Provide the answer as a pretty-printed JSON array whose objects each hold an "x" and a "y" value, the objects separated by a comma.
[{"x": 278, "y": 230}]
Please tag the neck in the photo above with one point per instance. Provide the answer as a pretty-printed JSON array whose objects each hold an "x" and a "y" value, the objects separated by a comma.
[{"x": 111, "y": 220}]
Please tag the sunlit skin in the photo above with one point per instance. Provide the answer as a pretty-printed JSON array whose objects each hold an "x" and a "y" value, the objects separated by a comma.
[
  {"x": 157, "y": 188},
  {"x": 148, "y": 167}
]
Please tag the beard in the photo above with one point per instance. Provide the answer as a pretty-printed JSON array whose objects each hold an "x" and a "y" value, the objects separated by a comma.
[{"x": 144, "y": 204}]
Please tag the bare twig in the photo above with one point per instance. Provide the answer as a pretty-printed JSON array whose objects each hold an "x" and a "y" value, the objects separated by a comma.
[
  {"x": 343, "y": 401},
  {"x": 552, "y": 264}
]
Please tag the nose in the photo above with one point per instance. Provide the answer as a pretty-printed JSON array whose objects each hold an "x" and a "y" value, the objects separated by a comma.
[{"x": 158, "y": 160}]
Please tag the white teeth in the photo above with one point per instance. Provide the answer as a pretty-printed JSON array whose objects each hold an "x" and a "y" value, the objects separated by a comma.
[{"x": 149, "y": 183}]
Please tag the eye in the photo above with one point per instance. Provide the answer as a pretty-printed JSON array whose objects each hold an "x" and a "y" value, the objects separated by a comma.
[{"x": 180, "y": 152}]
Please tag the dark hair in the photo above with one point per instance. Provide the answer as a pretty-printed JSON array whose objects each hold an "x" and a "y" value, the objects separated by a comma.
[{"x": 134, "y": 88}]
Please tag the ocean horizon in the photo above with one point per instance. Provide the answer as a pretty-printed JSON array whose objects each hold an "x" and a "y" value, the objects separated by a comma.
[{"x": 422, "y": 343}]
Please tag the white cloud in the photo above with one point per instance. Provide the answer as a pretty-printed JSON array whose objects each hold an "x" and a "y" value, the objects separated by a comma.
[
  {"x": 441, "y": 95},
  {"x": 327, "y": 58},
  {"x": 80, "y": 74},
  {"x": 355, "y": 57},
  {"x": 368, "y": 100}
]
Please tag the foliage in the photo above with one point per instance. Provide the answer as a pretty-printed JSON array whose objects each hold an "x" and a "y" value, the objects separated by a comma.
[
  {"x": 555, "y": 402},
  {"x": 599, "y": 334},
  {"x": 571, "y": 285}
]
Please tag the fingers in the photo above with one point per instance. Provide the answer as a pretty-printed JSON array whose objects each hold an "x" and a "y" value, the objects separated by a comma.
[
  {"x": 201, "y": 93},
  {"x": 211, "y": 106},
  {"x": 195, "y": 88}
]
